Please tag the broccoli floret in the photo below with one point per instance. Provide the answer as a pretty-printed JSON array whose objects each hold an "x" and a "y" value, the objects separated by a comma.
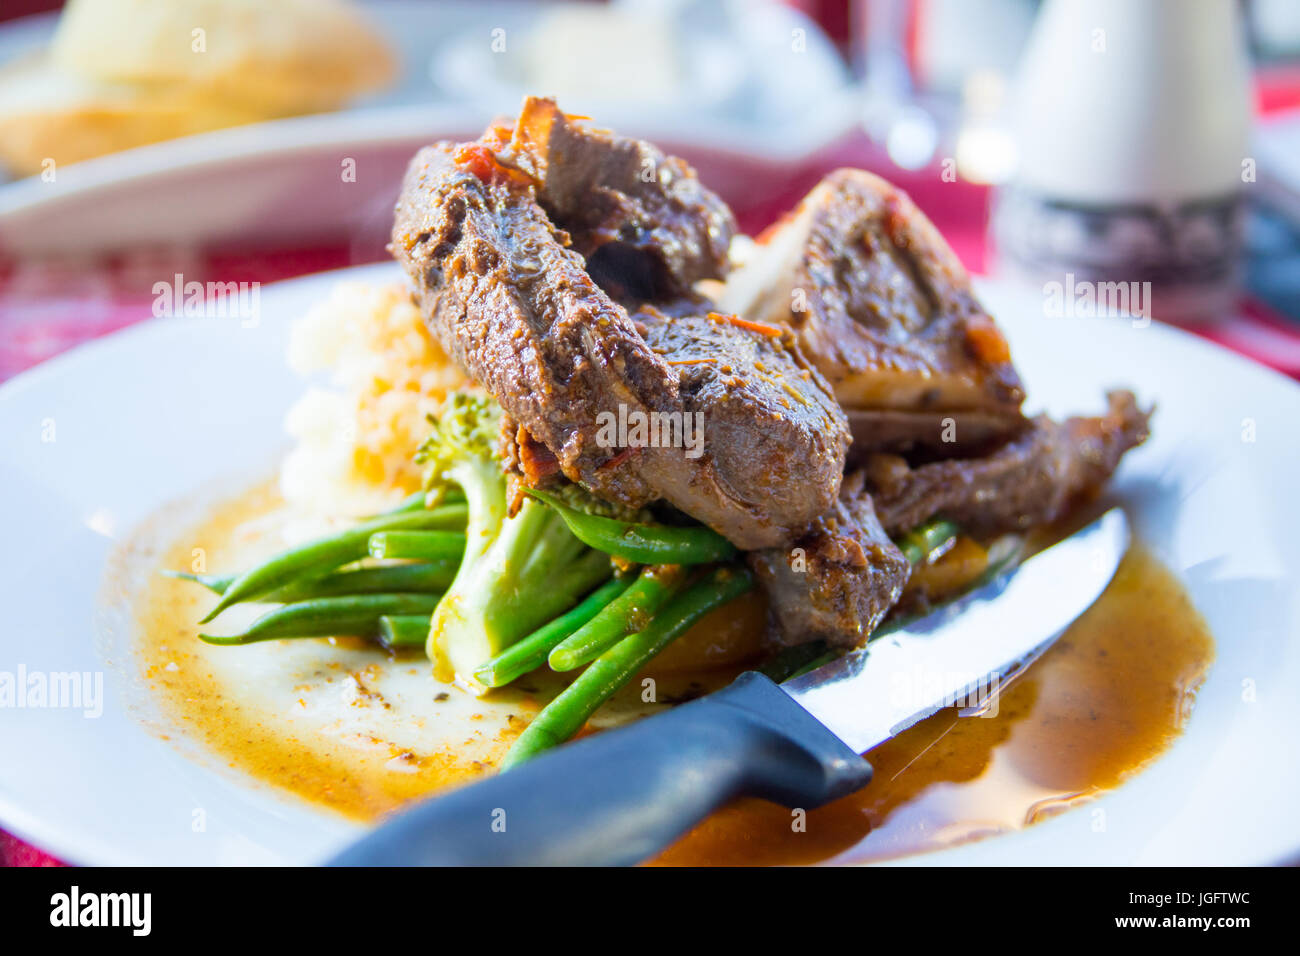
[{"x": 517, "y": 573}]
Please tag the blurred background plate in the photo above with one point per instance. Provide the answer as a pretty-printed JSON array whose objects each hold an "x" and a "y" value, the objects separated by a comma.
[
  {"x": 280, "y": 182},
  {"x": 271, "y": 183},
  {"x": 736, "y": 74}
]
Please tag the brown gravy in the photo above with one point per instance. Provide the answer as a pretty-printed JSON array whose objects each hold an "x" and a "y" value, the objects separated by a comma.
[{"x": 1105, "y": 700}]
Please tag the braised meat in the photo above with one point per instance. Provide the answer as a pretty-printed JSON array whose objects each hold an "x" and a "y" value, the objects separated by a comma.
[
  {"x": 508, "y": 296},
  {"x": 567, "y": 269},
  {"x": 764, "y": 414},
  {"x": 839, "y": 579},
  {"x": 928, "y": 434},
  {"x": 641, "y": 219},
  {"x": 880, "y": 304},
  {"x": 527, "y": 464},
  {"x": 1032, "y": 480}
]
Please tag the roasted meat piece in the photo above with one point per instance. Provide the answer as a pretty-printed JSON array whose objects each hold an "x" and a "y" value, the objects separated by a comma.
[
  {"x": 839, "y": 579},
  {"x": 1031, "y": 480},
  {"x": 646, "y": 226},
  {"x": 879, "y": 303},
  {"x": 566, "y": 269},
  {"x": 763, "y": 410},
  {"x": 516, "y": 305}
]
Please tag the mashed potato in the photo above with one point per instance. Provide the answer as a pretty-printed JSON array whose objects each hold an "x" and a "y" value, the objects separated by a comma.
[{"x": 355, "y": 438}]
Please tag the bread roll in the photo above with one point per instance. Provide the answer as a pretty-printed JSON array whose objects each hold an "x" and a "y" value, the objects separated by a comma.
[
  {"x": 279, "y": 56},
  {"x": 49, "y": 114},
  {"x": 125, "y": 73}
]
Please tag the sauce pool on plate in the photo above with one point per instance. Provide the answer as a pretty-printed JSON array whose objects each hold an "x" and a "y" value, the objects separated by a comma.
[
  {"x": 346, "y": 726},
  {"x": 1108, "y": 697}
]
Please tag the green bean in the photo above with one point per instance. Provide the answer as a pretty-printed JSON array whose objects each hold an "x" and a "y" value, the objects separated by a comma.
[
  {"x": 415, "y": 576},
  {"x": 450, "y": 495},
  {"x": 422, "y": 545},
  {"x": 642, "y": 543},
  {"x": 404, "y": 630},
  {"x": 626, "y": 614},
  {"x": 928, "y": 541},
  {"x": 325, "y": 617},
  {"x": 316, "y": 557},
  {"x": 216, "y": 583},
  {"x": 412, "y": 502},
  {"x": 419, "y": 577},
  {"x": 564, "y": 716},
  {"x": 530, "y": 653}
]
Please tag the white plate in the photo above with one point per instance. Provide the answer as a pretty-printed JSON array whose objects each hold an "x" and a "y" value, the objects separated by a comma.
[{"x": 161, "y": 410}]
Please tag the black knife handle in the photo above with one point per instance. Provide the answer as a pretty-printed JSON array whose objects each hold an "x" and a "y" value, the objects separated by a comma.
[{"x": 619, "y": 797}]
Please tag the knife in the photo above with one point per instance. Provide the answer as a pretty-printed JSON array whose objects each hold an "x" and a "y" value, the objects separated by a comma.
[{"x": 621, "y": 796}]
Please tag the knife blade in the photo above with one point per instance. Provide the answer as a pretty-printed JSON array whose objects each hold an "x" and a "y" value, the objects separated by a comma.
[
  {"x": 621, "y": 796},
  {"x": 967, "y": 648}
]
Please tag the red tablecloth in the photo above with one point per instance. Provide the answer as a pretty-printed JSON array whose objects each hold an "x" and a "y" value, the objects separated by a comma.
[{"x": 46, "y": 308}]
